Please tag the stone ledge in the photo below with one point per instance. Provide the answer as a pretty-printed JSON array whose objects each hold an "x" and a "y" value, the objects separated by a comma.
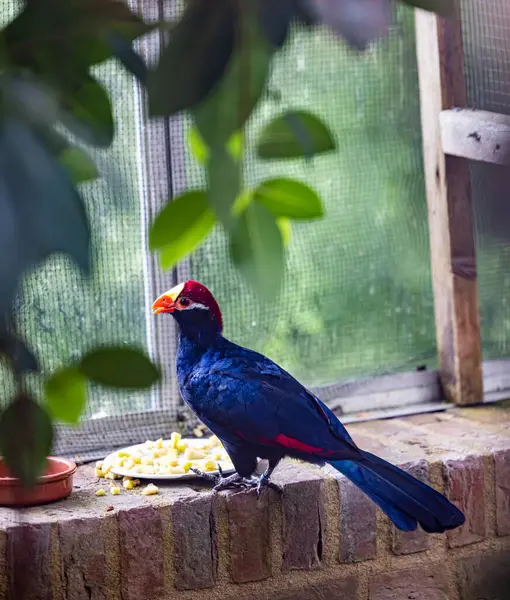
[{"x": 322, "y": 534}]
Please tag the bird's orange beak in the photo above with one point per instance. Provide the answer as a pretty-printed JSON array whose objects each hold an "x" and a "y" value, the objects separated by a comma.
[{"x": 166, "y": 302}]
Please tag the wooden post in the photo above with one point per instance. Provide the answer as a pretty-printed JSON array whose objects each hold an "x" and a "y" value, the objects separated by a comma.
[{"x": 450, "y": 214}]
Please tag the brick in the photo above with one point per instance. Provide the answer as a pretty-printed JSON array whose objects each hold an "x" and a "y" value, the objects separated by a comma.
[
  {"x": 250, "y": 536},
  {"x": 375, "y": 446},
  {"x": 195, "y": 543},
  {"x": 408, "y": 542},
  {"x": 485, "y": 577},
  {"x": 465, "y": 432},
  {"x": 303, "y": 519},
  {"x": 83, "y": 559},
  {"x": 29, "y": 562},
  {"x": 141, "y": 553},
  {"x": 502, "y": 484},
  {"x": 425, "y": 583},
  {"x": 358, "y": 524},
  {"x": 464, "y": 483},
  {"x": 333, "y": 589}
]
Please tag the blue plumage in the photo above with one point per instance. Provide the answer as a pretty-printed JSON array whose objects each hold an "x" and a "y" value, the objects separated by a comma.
[{"x": 259, "y": 410}]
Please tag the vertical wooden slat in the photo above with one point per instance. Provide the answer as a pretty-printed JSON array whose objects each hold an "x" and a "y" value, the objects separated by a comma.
[{"x": 452, "y": 242}]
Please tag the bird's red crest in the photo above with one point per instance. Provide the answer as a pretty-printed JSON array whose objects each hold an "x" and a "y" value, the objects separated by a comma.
[{"x": 198, "y": 293}]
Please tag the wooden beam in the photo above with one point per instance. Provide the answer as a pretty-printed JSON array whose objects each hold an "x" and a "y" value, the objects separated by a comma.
[
  {"x": 442, "y": 87},
  {"x": 477, "y": 135}
]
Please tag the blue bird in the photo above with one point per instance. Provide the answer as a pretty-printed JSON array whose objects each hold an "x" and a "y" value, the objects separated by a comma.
[{"x": 258, "y": 410}]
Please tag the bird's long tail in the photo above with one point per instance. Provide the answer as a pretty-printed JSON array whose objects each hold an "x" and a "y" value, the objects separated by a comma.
[{"x": 406, "y": 500}]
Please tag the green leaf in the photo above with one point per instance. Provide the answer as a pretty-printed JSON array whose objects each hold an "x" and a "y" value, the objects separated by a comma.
[
  {"x": 295, "y": 134},
  {"x": 228, "y": 107},
  {"x": 40, "y": 210},
  {"x": 26, "y": 437},
  {"x": 66, "y": 394},
  {"x": 87, "y": 112},
  {"x": 120, "y": 367},
  {"x": 235, "y": 145},
  {"x": 195, "y": 58},
  {"x": 56, "y": 38},
  {"x": 257, "y": 250},
  {"x": 289, "y": 198},
  {"x": 285, "y": 227},
  {"x": 123, "y": 50},
  {"x": 224, "y": 175},
  {"x": 444, "y": 8},
  {"x": 15, "y": 349},
  {"x": 181, "y": 227},
  {"x": 198, "y": 148},
  {"x": 78, "y": 164}
]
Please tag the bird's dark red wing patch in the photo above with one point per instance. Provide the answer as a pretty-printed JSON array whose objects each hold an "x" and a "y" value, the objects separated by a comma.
[{"x": 293, "y": 444}]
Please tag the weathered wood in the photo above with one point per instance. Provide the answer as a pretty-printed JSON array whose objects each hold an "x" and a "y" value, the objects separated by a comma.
[
  {"x": 476, "y": 135},
  {"x": 442, "y": 87}
]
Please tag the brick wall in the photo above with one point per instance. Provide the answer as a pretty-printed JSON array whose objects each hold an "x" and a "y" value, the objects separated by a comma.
[{"x": 321, "y": 540}]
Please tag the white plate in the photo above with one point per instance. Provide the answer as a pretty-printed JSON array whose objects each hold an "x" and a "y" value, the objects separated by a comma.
[{"x": 227, "y": 467}]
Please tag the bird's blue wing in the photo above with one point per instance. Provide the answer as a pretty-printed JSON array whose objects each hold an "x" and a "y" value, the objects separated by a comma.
[{"x": 253, "y": 398}]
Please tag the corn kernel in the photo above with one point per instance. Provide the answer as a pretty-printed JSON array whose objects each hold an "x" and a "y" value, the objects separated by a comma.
[
  {"x": 192, "y": 454},
  {"x": 123, "y": 454},
  {"x": 198, "y": 432},
  {"x": 159, "y": 443},
  {"x": 129, "y": 464},
  {"x": 177, "y": 470},
  {"x": 100, "y": 492},
  {"x": 187, "y": 465},
  {"x": 175, "y": 439},
  {"x": 150, "y": 490},
  {"x": 128, "y": 484},
  {"x": 210, "y": 465},
  {"x": 137, "y": 459},
  {"x": 111, "y": 475},
  {"x": 147, "y": 460},
  {"x": 106, "y": 468},
  {"x": 98, "y": 472},
  {"x": 115, "y": 490},
  {"x": 181, "y": 445}
]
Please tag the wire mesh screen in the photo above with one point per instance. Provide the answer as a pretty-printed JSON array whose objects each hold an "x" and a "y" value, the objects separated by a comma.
[
  {"x": 357, "y": 300},
  {"x": 61, "y": 313},
  {"x": 486, "y": 33}
]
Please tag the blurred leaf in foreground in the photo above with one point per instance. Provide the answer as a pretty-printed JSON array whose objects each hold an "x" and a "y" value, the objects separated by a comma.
[
  {"x": 119, "y": 366},
  {"x": 66, "y": 394},
  {"x": 181, "y": 227},
  {"x": 26, "y": 437},
  {"x": 295, "y": 134}
]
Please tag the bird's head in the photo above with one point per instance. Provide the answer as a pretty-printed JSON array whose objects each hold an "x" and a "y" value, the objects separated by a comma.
[{"x": 193, "y": 307}]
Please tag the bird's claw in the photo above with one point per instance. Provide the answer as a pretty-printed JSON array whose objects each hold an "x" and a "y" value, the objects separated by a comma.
[
  {"x": 264, "y": 482},
  {"x": 235, "y": 481},
  {"x": 222, "y": 481}
]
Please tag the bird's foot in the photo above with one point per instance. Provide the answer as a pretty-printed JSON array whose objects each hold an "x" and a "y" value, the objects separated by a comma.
[
  {"x": 264, "y": 482},
  {"x": 224, "y": 482}
]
